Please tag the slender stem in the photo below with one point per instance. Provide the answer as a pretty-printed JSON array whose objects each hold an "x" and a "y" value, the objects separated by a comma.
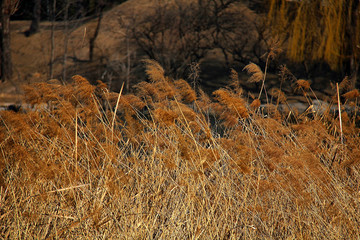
[
  {"x": 116, "y": 108},
  {"x": 128, "y": 62},
  {"x": 339, "y": 107},
  {"x": 76, "y": 137},
  {"x": 263, "y": 82}
]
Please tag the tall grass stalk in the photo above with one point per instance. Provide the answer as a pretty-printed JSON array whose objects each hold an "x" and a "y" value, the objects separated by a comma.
[
  {"x": 263, "y": 81},
  {"x": 115, "y": 111},
  {"x": 339, "y": 109},
  {"x": 167, "y": 163}
]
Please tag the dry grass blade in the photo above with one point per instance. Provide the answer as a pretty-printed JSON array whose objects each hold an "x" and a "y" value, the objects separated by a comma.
[
  {"x": 339, "y": 109},
  {"x": 116, "y": 108},
  {"x": 69, "y": 188},
  {"x": 76, "y": 136}
]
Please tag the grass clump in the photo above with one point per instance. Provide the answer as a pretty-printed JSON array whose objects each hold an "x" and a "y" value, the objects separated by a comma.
[{"x": 173, "y": 164}]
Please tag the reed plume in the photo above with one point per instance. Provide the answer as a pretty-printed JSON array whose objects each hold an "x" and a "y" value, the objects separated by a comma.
[
  {"x": 173, "y": 164},
  {"x": 154, "y": 70},
  {"x": 353, "y": 94},
  {"x": 257, "y": 74}
]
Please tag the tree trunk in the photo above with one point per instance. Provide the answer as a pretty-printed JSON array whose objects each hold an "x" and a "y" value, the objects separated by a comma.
[
  {"x": 35, "y": 23},
  {"x": 354, "y": 39},
  {"x": 6, "y": 64},
  {"x": 128, "y": 62},
  {"x": 52, "y": 54},
  {"x": 1, "y": 55},
  {"x": 99, "y": 10},
  {"x": 66, "y": 39}
]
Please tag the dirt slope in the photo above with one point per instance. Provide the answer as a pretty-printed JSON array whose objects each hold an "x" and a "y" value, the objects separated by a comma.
[{"x": 31, "y": 55}]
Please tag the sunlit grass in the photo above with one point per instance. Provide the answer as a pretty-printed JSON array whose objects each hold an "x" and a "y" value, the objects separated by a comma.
[{"x": 167, "y": 162}]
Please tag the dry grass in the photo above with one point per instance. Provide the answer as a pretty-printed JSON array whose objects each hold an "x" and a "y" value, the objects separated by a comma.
[{"x": 174, "y": 165}]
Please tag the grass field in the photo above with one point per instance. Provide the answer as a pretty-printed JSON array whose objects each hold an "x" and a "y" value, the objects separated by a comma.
[{"x": 169, "y": 162}]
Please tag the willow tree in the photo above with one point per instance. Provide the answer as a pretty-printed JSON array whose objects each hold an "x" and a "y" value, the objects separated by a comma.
[{"x": 327, "y": 30}]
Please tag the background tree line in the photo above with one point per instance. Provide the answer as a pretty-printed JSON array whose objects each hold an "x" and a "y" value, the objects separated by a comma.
[
  {"x": 319, "y": 34},
  {"x": 179, "y": 33}
]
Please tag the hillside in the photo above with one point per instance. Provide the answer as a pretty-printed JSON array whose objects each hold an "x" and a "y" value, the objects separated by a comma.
[{"x": 31, "y": 56}]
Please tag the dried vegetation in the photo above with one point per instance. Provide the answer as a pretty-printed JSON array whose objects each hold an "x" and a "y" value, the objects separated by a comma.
[{"x": 169, "y": 163}]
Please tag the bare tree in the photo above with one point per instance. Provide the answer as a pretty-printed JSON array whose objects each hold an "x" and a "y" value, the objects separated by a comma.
[
  {"x": 8, "y": 7},
  {"x": 177, "y": 33}
]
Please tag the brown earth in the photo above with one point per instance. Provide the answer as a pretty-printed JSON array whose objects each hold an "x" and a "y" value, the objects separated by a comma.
[{"x": 31, "y": 55}]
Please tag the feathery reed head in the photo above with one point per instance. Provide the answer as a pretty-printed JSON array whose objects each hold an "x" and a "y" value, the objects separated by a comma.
[
  {"x": 187, "y": 94},
  {"x": 345, "y": 84},
  {"x": 302, "y": 84},
  {"x": 257, "y": 74},
  {"x": 154, "y": 70},
  {"x": 278, "y": 94},
  {"x": 168, "y": 152},
  {"x": 275, "y": 47},
  {"x": 255, "y": 103},
  {"x": 353, "y": 94}
]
